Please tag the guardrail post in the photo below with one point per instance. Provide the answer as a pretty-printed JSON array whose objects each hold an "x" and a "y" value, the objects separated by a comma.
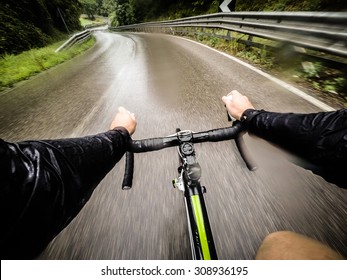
[
  {"x": 249, "y": 40},
  {"x": 228, "y": 35}
]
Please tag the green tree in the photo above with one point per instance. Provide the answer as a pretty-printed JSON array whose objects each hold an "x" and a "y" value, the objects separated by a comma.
[
  {"x": 123, "y": 15},
  {"x": 89, "y": 7},
  {"x": 121, "y": 12},
  {"x": 108, "y": 6},
  {"x": 27, "y": 24}
]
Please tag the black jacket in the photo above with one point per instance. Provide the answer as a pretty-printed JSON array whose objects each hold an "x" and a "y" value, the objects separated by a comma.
[
  {"x": 44, "y": 184},
  {"x": 320, "y": 139}
]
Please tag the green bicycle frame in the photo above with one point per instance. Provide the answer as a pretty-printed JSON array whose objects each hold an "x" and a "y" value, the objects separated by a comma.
[{"x": 200, "y": 234}]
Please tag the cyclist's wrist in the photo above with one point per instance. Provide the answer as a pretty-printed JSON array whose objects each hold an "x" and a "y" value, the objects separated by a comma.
[
  {"x": 122, "y": 130},
  {"x": 249, "y": 114}
]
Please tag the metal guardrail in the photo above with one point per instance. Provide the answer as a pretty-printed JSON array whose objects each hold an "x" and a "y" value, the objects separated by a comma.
[
  {"x": 79, "y": 37},
  {"x": 320, "y": 31},
  {"x": 95, "y": 25}
]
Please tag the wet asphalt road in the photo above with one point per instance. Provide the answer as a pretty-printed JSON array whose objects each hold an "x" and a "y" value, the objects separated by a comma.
[{"x": 170, "y": 82}]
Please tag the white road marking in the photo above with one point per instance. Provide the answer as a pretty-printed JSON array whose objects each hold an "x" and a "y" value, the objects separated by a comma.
[{"x": 321, "y": 105}]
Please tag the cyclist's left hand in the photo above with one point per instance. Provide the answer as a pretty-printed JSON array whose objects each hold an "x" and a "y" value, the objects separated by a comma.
[{"x": 125, "y": 119}]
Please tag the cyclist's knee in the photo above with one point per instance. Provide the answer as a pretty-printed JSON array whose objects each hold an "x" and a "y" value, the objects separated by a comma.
[
  {"x": 289, "y": 245},
  {"x": 279, "y": 236},
  {"x": 272, "y": 244}
]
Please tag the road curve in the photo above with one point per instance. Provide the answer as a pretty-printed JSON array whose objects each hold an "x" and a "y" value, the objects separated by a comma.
[{"x": 170, "y": 82}]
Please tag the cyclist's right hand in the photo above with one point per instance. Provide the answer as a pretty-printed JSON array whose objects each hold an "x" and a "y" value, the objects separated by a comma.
[{"x": 236, "y": 104}]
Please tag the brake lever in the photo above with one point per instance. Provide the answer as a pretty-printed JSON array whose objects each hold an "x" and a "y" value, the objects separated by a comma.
[
  {"x": 230, "y": 117},
  {"x": 128, "y": 171},
  {"x": 241, "y": 146},
  {"x": 244, "y": 152}
]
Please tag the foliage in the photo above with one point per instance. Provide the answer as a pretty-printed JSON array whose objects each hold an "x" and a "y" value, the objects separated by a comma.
[
  {"x": 291, "y": 5},
  {"x": 122, "y": 14},
  {"x": 89, "y": 7},
  {"x": 14, "y": 68},
  {"x": 28, "y": 24},
  {"x": 326, "y": 79},
  {"x": 213, "y": 41},
  {"x": 85, "y": 21},
  {"x": 166, "y": 9},
  {"x": 134, "y": 11},
  {"x": 150, "y": 10}
]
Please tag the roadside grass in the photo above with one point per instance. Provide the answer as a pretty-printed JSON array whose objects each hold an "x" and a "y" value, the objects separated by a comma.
[
  {"x": 322, "y": 80},
  {"x": 84, "y": 20},
  {"x": 16, "y": 68}
]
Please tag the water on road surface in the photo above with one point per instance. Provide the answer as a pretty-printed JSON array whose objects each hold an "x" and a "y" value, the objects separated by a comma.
[{"x": 170, "y": 82}]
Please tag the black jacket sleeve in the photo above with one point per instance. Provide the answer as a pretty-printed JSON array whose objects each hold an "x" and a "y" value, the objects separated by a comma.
[
  {"x": 44, "y": 184},
  {"x": 318, "y": 138}
]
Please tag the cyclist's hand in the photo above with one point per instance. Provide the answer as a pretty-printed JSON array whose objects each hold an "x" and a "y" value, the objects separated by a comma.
[
  {"x": 236, "y": 104},
  {"x": 125, "y": 119}
]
